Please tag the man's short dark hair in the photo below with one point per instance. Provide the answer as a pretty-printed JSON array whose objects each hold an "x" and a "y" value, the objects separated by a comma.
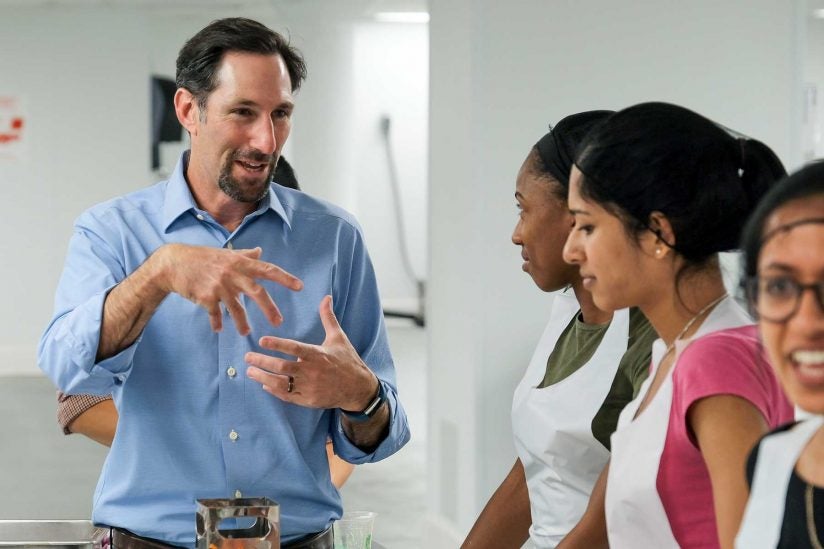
[{"x": 200, "y": 57}]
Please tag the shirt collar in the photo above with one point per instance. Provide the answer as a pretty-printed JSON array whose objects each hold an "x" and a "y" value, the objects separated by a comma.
[{"x": 179, "y": 199}]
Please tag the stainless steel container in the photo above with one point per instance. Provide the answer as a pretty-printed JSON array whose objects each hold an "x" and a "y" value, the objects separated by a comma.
[
  {"x": 48, "y": 534},
  {"x": 263, "y": 534}
]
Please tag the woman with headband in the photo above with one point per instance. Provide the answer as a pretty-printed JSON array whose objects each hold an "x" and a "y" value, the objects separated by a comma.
[
  {"x": 587, "y": 366},
  {"x": 784, "y": 275},
  {"x": 657, "y": 192}
]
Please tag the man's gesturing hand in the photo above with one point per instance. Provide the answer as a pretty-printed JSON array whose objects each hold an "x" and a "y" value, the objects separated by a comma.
[
  {"x": 330, "y": 375},
  {"x": 211, "y": 276}
]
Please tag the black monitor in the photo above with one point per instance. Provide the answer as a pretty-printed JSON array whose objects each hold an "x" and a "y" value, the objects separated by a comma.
[{"x": 165, "y": 127}]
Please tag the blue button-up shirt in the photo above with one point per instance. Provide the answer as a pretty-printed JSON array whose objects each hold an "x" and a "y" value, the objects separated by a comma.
[{"x": 192, "y": 425}]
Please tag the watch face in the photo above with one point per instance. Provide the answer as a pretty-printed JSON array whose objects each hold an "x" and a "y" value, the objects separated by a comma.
[
  {"x": 373, "y": 406},
  {"x": 371, "y": 409}
]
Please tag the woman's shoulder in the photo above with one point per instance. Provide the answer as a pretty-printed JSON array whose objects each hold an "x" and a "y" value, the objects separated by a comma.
[
  {"x": 730, "y": 362},
  {"x": 741, "y": 337},
  {"x": 724, "y": 349}
]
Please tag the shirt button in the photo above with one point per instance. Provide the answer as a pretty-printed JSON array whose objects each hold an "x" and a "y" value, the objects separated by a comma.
[
  {"x": 233, "y": 435},
  {"x": 200, "y": 217},
  {"x": 231, "y": 371},
  {"x": 238, "y": 495},
  {"x": 230, "y": 245}
]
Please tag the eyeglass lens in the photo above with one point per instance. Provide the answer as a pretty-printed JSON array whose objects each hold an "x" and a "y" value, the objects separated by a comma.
[{"x": 777, "y": 298}]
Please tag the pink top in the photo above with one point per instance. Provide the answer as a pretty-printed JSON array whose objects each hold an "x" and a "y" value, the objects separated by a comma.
[{"x": 726, "y": 362}]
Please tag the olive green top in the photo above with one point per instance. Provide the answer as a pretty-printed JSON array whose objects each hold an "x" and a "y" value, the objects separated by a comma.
[{"x": 575, "y": 348}]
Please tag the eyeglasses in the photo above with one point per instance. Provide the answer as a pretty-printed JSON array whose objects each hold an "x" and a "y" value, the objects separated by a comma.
[{"x": 777, "y": 298}]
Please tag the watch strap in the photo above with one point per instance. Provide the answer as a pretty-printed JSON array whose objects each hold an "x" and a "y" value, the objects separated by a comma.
[{"x": 371, "y": 409}]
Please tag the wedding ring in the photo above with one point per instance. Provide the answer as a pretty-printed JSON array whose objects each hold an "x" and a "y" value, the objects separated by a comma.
[{"x": 291, "y": 385}]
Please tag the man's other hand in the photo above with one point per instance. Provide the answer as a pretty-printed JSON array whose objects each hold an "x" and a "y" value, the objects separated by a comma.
[{"x": 330, "y": 375}]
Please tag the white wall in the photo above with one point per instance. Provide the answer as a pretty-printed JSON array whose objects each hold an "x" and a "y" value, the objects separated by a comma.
[
  {"x": 85, "y": 141},
  {"x": 499, "y": 73},
  {"x": 812, "y": 145},
  {"x": 83, "y": 74},
  {"x": 359, "y": 71},
  {"x": 391, "y": 75}
]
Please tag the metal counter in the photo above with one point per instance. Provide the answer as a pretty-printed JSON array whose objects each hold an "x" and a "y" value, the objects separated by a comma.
[{"x": 47, "y": 534}]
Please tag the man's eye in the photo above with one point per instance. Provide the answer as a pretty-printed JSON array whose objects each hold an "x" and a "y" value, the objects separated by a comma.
[
  {"x": 281, "y": 113},
  {"x": 243, "y": 112}
]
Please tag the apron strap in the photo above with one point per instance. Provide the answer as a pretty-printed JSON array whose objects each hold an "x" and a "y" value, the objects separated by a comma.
[{"x": 777, "y": 456}]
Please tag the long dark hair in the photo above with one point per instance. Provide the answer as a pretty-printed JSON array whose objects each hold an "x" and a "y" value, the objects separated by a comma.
[{"x": 658, "y": 157}]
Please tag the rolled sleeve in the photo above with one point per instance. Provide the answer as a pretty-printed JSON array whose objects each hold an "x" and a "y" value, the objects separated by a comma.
[
  {"x": 68, "y": 348},
  {"x": 70, "y": 407},
  {"x": 395, "y": 439}
]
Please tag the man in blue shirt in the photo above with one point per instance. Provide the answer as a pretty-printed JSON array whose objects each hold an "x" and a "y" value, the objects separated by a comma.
[{"x": 154, "y": 281}]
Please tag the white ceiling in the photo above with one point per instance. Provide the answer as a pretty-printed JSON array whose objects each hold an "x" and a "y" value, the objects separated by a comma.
[
  {"x": 374, "y": 5},
  {"x": 138, "y": 3},
  {"x": 356, "y": 9}
]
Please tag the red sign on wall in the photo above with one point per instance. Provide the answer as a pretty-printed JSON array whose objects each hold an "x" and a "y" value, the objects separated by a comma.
[{"x": 12, "y": 127}]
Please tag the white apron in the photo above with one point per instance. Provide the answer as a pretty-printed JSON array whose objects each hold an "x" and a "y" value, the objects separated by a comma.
[
  {"x": 552, "y": 427},
  {"x": 634, "y": 511},
  {"x": 777, "y": 456}
]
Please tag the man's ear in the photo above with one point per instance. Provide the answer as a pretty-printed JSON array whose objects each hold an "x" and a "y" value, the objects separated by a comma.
[{"x": 187, "y": 110}]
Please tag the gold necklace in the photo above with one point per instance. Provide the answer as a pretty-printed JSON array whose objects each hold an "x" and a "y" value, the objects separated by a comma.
[
  {"x": 649, "y": 396},
  {"x": 691, "y": 321},
  {"x": 809, "y": 507}
]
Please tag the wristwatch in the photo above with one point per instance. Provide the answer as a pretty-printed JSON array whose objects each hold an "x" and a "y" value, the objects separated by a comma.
[{"x": 371, "y": 409}]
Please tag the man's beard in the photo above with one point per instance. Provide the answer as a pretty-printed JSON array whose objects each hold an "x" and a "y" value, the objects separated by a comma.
[{"x": 241, "y": 192}]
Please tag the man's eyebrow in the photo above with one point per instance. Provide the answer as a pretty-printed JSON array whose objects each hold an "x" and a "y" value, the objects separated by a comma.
[{"x": 249, "y": 103}]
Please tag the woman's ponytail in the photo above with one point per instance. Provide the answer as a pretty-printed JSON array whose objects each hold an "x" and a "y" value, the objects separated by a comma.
[{"x": 760, "y": 169}]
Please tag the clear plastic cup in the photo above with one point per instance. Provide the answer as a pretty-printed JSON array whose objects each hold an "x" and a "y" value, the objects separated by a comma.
[{"x": 354, "y": 530}]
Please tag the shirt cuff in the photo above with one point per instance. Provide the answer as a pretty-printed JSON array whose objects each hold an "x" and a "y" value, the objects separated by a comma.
[
  {"x": 76, "y": 341},
  {"x": 69, "y": 407},
  {"x": 397, "y": 435}
]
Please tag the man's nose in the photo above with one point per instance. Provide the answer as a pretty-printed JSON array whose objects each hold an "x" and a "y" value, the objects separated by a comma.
[{"x": 263, "y": 136}]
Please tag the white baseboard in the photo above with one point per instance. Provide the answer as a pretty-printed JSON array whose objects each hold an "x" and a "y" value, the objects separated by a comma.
[
  {"x": 19, "y": 360},
  {"x": 440, "y": 533}
]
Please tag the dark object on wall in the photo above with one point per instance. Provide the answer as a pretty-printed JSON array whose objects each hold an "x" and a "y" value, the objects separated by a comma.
[{"x": 165, "y": 127}]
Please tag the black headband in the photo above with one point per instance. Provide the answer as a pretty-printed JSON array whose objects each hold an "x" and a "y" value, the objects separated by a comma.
[{"x": 558, "y": 148}]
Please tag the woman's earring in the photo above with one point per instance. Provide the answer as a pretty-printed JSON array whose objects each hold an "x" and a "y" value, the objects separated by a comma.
[{"x": 658, "y": 251}]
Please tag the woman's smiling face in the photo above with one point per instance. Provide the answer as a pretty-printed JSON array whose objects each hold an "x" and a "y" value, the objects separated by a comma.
[{"x": 796, "y": 346}]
